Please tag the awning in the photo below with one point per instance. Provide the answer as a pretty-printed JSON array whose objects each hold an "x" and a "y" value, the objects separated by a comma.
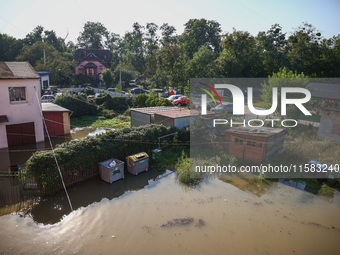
[
  {"x": 3, "y": 118},
  {"x": 90, "y": 65}
]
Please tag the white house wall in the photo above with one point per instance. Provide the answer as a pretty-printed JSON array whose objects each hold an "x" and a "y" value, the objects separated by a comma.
[{"x": 22, "y": 112}]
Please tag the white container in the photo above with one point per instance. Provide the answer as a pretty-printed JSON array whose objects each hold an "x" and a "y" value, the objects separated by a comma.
[{"x": 111, "y": 174}]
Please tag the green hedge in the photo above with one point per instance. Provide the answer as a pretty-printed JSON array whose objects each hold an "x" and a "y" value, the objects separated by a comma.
[
  {"x": 114, "y": 103},
  {"x": 78, "y": 159},
  {"x": 77, "y": 104},
  {"x": 143, "y": 100}
]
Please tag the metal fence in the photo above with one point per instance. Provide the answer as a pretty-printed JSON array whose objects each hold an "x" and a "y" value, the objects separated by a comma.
[{"x": 16, "y": 186}]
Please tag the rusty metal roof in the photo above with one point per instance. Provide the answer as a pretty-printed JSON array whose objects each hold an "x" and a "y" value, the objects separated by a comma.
[
  {"x": 157, "y": 109},
  {"x": 17, "y": 70},
  {"x": 256, "y": 131},
  {"x": 50, "y": 107},
  {"x": 167, "y": 111}
]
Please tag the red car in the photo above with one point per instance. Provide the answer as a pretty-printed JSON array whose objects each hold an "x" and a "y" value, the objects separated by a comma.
[{"x": 183, "y": 100}]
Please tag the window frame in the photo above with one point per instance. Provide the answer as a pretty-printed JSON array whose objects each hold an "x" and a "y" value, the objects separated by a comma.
[{"x": 20, "y": 101}]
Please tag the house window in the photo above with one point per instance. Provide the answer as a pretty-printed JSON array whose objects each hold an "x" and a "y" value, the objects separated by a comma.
[
  {"x": 254, "y": 144},
  {"x": 238, "y": 141},
  {"x": 90, "y": 71},
  {"x": 17, "y": 94},
  {"x": 100, "y": 67}
]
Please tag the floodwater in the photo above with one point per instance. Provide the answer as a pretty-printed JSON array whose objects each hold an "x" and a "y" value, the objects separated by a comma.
[{"x": 150, "y": 214}]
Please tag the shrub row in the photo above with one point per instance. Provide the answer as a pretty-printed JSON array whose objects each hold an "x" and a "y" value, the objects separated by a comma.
[
  {"x": 143, "y": 100},
  {"x": 79, "y": 159},
  {"x": 77, "y": 104}
]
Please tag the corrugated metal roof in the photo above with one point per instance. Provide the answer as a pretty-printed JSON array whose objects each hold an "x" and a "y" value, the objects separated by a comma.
[
  {"x": 256, "y": 131},
  {"x": 17, "y": 70},
  {"x": 324, "y": 90},
  {"x": 50, "y": 107},
  {"x": 179, "y": 114},
  {"x": 157, "y": 109},
  {"x": 168, "y": 111}
]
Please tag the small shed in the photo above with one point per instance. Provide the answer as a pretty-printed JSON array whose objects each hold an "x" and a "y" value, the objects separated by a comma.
[
  {"x": 44, "y": 80},
  {"x": 57, "y": 119},
  {"x": 166, "y": 115},
  {"x": 329, "y": 128},
  {"x": 254, "y": 143}
]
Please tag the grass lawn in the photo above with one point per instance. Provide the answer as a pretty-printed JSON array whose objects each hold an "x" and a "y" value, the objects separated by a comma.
[
  {"x": 100, "y": 121},
  {"x": 314, "y": 118}
]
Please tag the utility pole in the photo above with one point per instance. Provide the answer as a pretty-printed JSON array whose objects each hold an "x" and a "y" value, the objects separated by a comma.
[
  {"x": 44, "y": 56},
  {"x": 120, "y": 75}
]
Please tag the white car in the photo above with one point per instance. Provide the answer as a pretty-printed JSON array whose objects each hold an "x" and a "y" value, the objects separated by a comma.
[{"x": 47, "y": 98}]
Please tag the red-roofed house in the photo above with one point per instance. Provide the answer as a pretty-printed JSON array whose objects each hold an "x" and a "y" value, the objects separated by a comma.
[{"x": 91, "y": 63}]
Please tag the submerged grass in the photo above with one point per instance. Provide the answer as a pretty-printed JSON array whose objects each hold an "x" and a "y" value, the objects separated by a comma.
[
  {"x": 178, "y": 159},
  {"x": 100, "y": 121}
]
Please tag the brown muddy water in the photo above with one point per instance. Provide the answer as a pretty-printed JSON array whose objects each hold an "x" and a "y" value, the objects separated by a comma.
[
  {"x": 18, "y": 155},
  {"x": 146, "y": 214}
]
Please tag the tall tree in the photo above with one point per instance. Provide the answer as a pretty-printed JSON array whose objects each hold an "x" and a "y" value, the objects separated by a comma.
[
  {"x": 35, "y": 36},
  {"x": 94, "y": 36},
  {"x": 168, "y": 34},
  {"x": 133, "y": 48},
  {"x": 61, "y": 68},
  {"x": 151, "y": 45},
  {"x": 240, "y": 56},
  {"x": 304, "y": 50},
  {"x": 9, "y": 47},
  {"x": 202, "y": 64},
  {"x": 273, "y": 49},
  {"x": 201, "y": 32}
]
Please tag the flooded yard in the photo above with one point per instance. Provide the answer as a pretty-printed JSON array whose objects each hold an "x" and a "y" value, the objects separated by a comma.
[
  {"x": 18, "y": 155},
  {"x": 150, "y": 214}
]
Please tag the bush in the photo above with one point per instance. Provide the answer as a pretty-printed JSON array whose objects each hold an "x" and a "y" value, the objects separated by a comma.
[
  {"x": 77, "y": 104},
  {"x": 89, "y": 91},
  {"x": 143, "y": 100},
  {"x": 113, "y": 103},
  {"x": 140, "y": 100},
  {"x": 79, "y": 159},
  {"x": 183, "y": 171}
]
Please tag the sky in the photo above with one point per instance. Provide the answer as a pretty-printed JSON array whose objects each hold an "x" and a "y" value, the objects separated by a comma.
[{"x": 67, "y": 17}]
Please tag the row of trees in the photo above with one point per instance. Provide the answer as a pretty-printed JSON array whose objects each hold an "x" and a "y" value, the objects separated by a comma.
[{"x": 170, "y": 60}]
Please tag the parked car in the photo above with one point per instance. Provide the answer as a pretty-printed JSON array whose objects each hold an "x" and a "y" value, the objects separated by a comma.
[
  {"x": 183, "y": 100},
  {"x": 137, "y": 91},
  {"x": 173, "y": 97},
  {"x": 132, "y": 83},
  {"x": 224, "y": 107},
  {"x": 47, "y": 98}
]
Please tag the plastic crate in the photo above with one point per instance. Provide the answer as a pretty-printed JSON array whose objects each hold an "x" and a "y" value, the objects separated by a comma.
[
  {"x": 137, "y": 163},
  {"x": 111, "y": 174}
]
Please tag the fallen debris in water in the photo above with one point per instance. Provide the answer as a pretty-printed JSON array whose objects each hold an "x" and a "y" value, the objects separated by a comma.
[{"x": 184, "y": 222}]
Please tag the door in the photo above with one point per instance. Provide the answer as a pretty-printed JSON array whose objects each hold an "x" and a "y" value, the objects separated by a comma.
[{"x": 20, "y": 134}]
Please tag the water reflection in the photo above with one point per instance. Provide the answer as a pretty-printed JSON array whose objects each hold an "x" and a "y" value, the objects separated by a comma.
[
  {"x": 18, "y": 155},
  {"x": 51, "y": 210},
  {"x": 256, "y": 186}
]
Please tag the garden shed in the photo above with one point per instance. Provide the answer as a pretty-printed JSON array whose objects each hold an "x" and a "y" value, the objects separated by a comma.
[
  {"x": 166, "y": 115},
  {"x": 254, "y": 143},
  {"x": 57, "y": 119}
]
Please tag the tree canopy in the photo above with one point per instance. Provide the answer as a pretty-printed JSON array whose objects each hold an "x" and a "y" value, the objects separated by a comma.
[{"x": 165, "y": 59}]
